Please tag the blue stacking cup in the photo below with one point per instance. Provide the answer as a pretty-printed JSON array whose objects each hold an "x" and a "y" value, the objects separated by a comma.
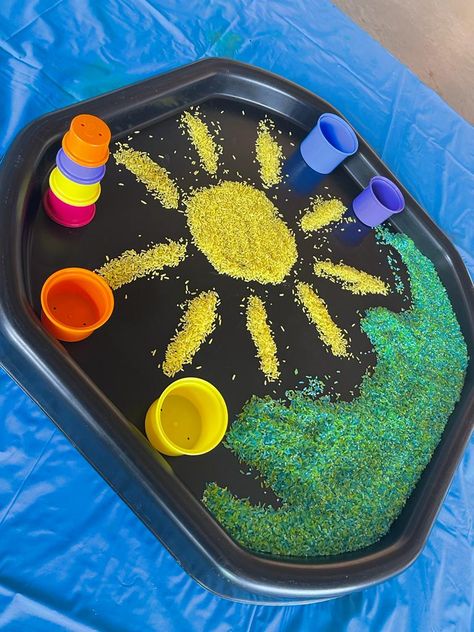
[{"x": 328, "y": 144}]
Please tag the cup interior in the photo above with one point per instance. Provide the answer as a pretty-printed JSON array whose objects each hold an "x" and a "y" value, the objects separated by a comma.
[
  {"x": 387, "y": 194},
  {"x": 193, "y": 416},
  {"x": 338, "y": 134},
  {"x": 76, "y": 302}
]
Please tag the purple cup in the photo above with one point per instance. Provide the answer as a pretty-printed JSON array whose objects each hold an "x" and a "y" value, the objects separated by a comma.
[
  {"x": 378, "y": 201},
  {"x": 328, "y": 143},
  {"x": 78, "y": 173},
  {"x": 66, "y": 214}
]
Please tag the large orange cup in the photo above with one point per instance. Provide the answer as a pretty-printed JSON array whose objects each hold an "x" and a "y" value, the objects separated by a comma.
[
  {"x": 87, "y": 141},
  {"x": 74, "y": 303}
]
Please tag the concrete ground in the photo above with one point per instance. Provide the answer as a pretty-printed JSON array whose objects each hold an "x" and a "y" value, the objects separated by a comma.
[{"x": 434, "y": 38}]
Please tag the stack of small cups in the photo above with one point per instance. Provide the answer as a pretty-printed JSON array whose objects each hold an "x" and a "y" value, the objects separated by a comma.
[{"x": 74, "y": 184}]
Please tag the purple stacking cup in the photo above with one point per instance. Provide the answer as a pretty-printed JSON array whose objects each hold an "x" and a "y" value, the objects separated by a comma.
[
  {"x": 78, "y": 173},
  {"x": 378, "y": 201},
  {"x": 328, "y": 144}
]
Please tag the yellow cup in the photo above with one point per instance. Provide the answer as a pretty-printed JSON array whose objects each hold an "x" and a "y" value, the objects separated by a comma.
[
  {"x": 190, "y": 417},
  {"x": 72, "y": 192}
]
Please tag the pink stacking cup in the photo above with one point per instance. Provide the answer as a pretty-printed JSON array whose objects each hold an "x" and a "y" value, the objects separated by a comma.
[{"x": 66, "y": 214}]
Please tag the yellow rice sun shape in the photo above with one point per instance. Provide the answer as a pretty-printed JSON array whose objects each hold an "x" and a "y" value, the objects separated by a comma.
[{"x": 242, "y": 234}]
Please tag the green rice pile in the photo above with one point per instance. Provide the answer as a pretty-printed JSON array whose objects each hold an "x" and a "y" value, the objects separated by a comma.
[{"x": 344, "y": 470}]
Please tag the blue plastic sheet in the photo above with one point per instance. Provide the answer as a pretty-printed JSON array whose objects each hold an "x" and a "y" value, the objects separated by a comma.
[{"x": 72, "y": 555}]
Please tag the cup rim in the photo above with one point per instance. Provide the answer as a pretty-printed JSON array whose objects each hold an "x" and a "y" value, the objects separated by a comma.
[
  {"x": 61, "y": 275},
  {"x": 342, "y": 123},
  {"x": 391, "y": 185},
  {"x": 205, "y": 386}
]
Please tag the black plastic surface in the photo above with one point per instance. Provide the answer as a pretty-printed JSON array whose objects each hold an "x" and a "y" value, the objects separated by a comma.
[{"x": 98, "y": 391}]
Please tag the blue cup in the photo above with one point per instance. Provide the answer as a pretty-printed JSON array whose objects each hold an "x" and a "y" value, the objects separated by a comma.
[
  {"x": 328, "y": 144},
  {"x": 378, "y": 201}
]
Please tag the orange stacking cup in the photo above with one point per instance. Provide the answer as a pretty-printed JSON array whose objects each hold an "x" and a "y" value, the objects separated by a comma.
[
  {"x": 74, "y": 303},
  {"x": 87, "y": 141}
]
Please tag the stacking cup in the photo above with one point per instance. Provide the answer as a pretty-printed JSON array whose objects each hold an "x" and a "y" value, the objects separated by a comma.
[
  {"x": 328, "y": 144},
  {"x": 67, "y": 214},
  {"x": 378, "y": 201},
  {"x": 71, "y": 192},
  {"x": 78, "y": 173},
  {"x": 87, "y": 141},
  {"x": 189, "y": 418},
  {"x": 74, "y": 303}
]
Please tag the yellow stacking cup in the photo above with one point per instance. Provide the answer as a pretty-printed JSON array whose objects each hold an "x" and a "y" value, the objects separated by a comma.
[
  {"x": 190, "y": 417},
  {"x": 71, "y": 192}
]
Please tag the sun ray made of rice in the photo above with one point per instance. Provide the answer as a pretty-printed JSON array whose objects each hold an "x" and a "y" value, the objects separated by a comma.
[
  {"x": 203, "y": 141},
  {"x": 318, "y": 314},
  {"x": 132, "y": 265},
  {"x": 156, "y": 179},
  {"x": 351, "y": 279},
  {"x": 262, "y": 336},
  {"x": 322, "y": 213},
  {"x": 197, "y": 323},
  {"x": 269, "y": 154}
]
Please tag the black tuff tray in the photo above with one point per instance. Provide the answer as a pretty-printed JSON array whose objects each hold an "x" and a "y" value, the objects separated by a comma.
[{"x": 98, "y": 391}]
